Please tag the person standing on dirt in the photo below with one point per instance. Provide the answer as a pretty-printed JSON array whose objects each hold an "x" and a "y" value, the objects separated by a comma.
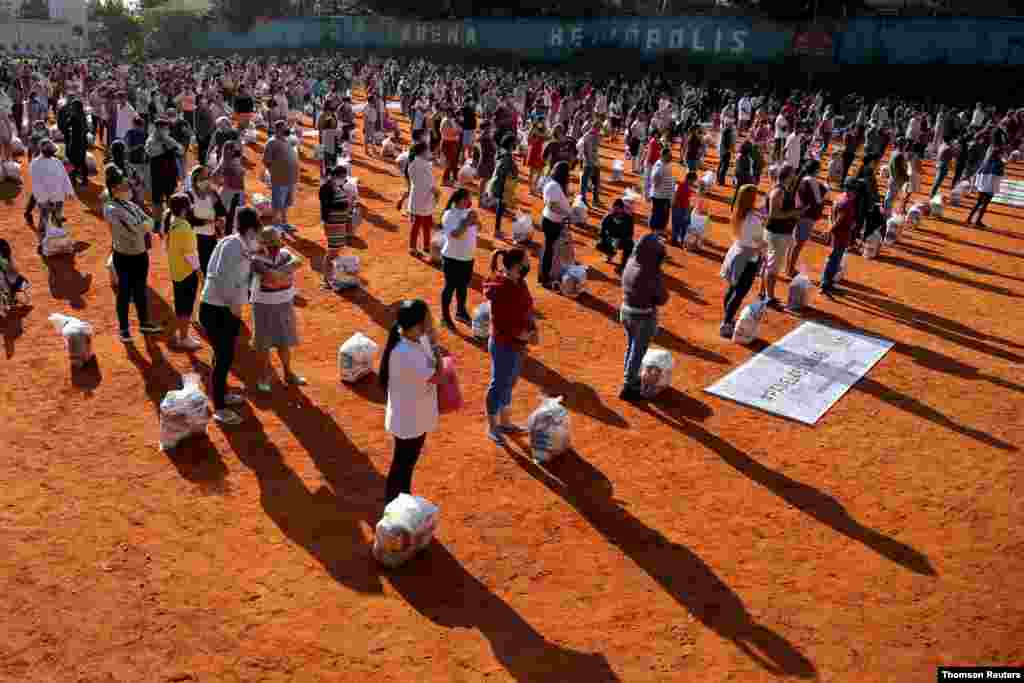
[
  {"x": 844, "y": 218},
  {"x": 409, "y": 371},
  {"x": 554, "y": 217},
  {"x": 782, "y": 219},
  {"x": 643, "y": 292},
  {"x": 282, "y": 164},
  {"x": 423, "y": 196},
  {"x": 468, "y": 125}
]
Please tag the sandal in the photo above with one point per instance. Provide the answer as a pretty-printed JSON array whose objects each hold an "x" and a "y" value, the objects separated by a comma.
[{"x": 296, "y": 380}]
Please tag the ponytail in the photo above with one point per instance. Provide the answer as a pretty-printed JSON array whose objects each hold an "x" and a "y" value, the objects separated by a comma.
[
  {"x": 167, "y": 220},
  {"x": 394, "y": 336}
]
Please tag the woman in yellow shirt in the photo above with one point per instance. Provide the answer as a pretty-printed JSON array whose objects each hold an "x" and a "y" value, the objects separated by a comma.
[{"x": 183, "y": 262}]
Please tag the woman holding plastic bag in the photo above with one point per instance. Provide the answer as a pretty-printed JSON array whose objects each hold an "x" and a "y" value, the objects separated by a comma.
[
  {"x": 512, "y": 328},
  {"x": 743, "y": 261},
  {"x": 273, "y": 306},
  {"x": 643, "y": 291},
  {"x": 460, "y": 226},
  {"x": 225, "y": 291},
  {"x": 131, "y": 231},
  {"x": 556, "y": 212},
  {"x": 410, "y": 369}
]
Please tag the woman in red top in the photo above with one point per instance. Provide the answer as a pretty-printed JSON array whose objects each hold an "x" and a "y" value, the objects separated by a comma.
[
  {"x": 535, "y": 155},
  {"x": 512, "y": 328},
  {"x": 653, "y": 154}
]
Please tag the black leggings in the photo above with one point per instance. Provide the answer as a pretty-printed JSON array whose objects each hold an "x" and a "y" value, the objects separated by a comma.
[
  {"x": 736, "y": 293},
  {"x": 222, "y": 327},
  {"x": 552, "y": 231},
  {"x": 132, "y": 274},
  {"x": 983, "y": 200},
  {"x": 205, "y": 244},
  {"x": 407, "y": 452},
  {"x": 457, "y": 276}
]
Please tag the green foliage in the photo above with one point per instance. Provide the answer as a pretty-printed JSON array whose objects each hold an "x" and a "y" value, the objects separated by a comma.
[
  {"x": 121, "y": 29},
  {"x": 35, "y": 9},
  {"x": 240, "y": 15},
  {"x": 167, "y": 29}
]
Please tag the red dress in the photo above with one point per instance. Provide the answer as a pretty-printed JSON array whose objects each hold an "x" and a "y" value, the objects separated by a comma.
[{"x": 535, "y": 155}]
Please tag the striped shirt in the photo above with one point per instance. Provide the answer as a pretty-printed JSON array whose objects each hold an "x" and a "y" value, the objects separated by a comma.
[{"x": 663, "y": 183}]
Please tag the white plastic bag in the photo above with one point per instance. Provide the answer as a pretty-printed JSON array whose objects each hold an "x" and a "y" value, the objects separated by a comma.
[
  {"x": 872, "y": 245},
  {"x": 249, "y": 136},
  {"x": 694, "y": 239},
  {"x": 522, "y": 229},
  {"x": 57, "y": 242},
  {"x": 388, "y": 148},
  {"x": 936, "y": 207},
  {"x": 406, "y": 528},
  {"x": 578, "y": 214},
  {"x": 77, "y": 336},
  {"x": 915, "y": 214},
  {"x": 749, "y": 322},
  {"x": 549, "y": 430},
  {"x": 436, "y": 245},
  {"x": 12, "y": 171},
  {"x": 318, "y": 152},
  {"x": 799, "y": 293},
  {"x": 352, "y": 187},
  {"x": 574, "y": 281},
  {"x": 630, "y": 199},
  {"x": 356, "y": 357},
  {"x": 655, "y": 372},
  {"x": 482, "y": 321},
  {"x": 467, "y": 174},
  {"x": 345, "y": 271},
  {"x": 706, "y": 182},
  {"x": 893, "y": 227},
  {"x": 618, "y": 168},
  {"x": 183, "y": 413}
]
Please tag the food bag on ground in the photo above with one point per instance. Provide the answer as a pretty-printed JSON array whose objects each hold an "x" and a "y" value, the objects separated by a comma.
[
  {"x": 249, "y": 136},
  {"x": 352, "y": 187},
  {"x": 893, "y": 228},
  {"x": 522, "y": 229},
  {"x": 482, "y": 321},
  {"x": 449, "y": 394},
  {"x": 799, "y": 293},
  {"x": 467, "y": 174},
  {"x": 579, "y": 211},
  {"x": 436, "y": 245},
  {"x": 745, "y": 330},
  {"x": 915, "y": 214},
  {"x": 631, "y": 199},
  {"x": 12, "y": 171},
  {"x": 618, "y": 168},
  {"x": 57, "y": 242},
  {"x": 936, "y": 206},
  {"x": 872, "y": 245},
  {"x": 184, "y": 412},
  {"x": 356, "y": 357},
  {"x": 406, "y": 528},
  {"x": 694, "y": 239},
  {"x": 345, "y": 271},
  {"x": 706, "y": 182},
  {"x": 655, "y": 372},
  {"x": 77, "y": 336},
  {"x": 18, "y": 147},
  {"x": 388, "y": 148},
  {"x": 549, "y": 429},
  {"x": 574, "y": 281}
]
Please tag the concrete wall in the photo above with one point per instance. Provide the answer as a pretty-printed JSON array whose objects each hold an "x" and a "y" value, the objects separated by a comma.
[{"x": 31, "y": 34}]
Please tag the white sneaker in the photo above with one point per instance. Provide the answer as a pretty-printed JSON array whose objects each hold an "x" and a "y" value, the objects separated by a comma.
[
  {"x": 234, "y": 399},
  {"x": 227, "y": 417}
]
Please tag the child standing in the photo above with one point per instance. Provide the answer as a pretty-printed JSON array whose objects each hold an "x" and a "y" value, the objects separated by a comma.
[
  {"x": 183, "y": 263},
  {"x": 681, "y": 208}
]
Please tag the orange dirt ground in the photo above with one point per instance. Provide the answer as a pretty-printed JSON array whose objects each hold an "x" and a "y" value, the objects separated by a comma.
[{"x": 689, "y": 539}]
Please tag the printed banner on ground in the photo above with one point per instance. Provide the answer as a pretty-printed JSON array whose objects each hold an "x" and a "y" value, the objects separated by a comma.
[
  {"x": 1011, "y": 193},
  {"x": 803, "y": 374}
]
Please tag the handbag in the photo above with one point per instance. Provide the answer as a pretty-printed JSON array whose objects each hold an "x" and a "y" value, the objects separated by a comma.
[{"x": 449, "y": 394}]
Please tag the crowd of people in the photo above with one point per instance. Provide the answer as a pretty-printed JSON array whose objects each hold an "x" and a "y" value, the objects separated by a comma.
[{"x": 173, "y": 135}]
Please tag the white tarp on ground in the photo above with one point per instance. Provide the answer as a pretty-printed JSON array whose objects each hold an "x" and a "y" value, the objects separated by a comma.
[{"x": 803, "y": 374}]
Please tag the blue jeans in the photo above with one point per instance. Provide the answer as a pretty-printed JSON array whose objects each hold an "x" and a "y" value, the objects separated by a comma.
[
  {"x": 832, "y": 267},
  {"x": 506, "y": 364},
  {"x": 680, "y": 223},
  {"x": 660, "y": 212},
  {"x": 639, "y": 331}
]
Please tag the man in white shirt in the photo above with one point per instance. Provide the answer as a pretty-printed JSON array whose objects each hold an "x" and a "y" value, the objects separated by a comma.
[
  {"x": 781, "y": 127},
  {"x": 791, "y": 153},
  {"x": 979, "y": 115},
  {"x": 51, "y": 186},
  {"x": 745, "y": 110},
  {"x": 125, "y": 116}
]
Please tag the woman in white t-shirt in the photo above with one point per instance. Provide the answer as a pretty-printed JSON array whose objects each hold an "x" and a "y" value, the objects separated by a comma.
[
  {"x": 556, "y": 213},
  {"x": 423, "y": 195},
  {"x": 460, "y": 226},
  {"x": 409, "y": 370},
  {"x": 743, "y": 260}
]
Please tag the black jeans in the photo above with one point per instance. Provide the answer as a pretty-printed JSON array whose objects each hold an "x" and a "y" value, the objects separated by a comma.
[
  {"x": 132, "y": 274},
  {"x": 407, "y": 452},
  {"x": 552, "y": 231},
  {"x": 723, "y": 168},
  {"x": 222, "y": 327},
  {"x": 204, "y": 148},
  {"x": 736, "y": 293},
  {"x": 848, "y": 157},
  {"x": 958, "y": 173},
  {"x": 499, "y": 213},
  {"x": 457, "y": 276}
]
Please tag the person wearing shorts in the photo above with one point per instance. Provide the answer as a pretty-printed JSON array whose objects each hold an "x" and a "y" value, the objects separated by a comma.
[
  {"x": 782, "y": 219},
  {"x": 282, "y": 163}
]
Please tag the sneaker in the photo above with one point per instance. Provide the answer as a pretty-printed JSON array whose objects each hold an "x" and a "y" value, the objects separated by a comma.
[
  {"x": 151, "y": 328},
  {"x": 227, "y": 417},
  {"x": 296, "y": 380},
  {"x": 125, "y": 336},
  {"x": 234, "y": 399},
  {"x": 725, "y": 331}
]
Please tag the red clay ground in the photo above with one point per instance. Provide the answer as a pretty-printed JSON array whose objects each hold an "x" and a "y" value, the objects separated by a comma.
[{"x": 693, "y": 539}]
